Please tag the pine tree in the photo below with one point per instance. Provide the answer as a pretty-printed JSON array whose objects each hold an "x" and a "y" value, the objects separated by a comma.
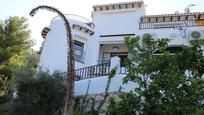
[{"x": 14, "y": 45}]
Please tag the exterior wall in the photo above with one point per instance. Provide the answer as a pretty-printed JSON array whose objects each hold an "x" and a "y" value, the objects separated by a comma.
[
  {"x": 54, "y": 49},
  {"x": 54, "y": 54},
  {"x": 92, "y": 51},
  {"x": 124, "y": 21},
  {"x": 117, "y": 21},
  {"x": 179, "y": 39},
  {"x": 98, "y": 85}
]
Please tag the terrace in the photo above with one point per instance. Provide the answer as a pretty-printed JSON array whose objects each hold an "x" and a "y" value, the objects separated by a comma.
[{"x": 172, "y": 20}]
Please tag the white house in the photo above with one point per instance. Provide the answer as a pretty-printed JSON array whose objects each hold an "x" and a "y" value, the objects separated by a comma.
[{"x": 98, "y": 40}]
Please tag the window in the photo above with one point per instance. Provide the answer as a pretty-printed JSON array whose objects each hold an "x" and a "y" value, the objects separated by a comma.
[{"x": 78, "y": 51}]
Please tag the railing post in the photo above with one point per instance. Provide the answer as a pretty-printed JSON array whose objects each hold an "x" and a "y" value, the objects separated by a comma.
[{"x": 115, "y": 64}]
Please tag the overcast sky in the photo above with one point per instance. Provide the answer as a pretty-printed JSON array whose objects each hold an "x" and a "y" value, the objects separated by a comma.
[{"x": 82, "y": 8}]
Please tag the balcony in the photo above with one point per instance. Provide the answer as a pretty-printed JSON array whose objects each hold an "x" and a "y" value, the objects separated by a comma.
[
  {"x": 99, "y": 70},
  {"x": 157, "y": 25},
  {"x": 172, "y": 20}
]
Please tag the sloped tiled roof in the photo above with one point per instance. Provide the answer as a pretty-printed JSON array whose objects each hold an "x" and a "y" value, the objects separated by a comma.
[{"x": 82, "y": 29}]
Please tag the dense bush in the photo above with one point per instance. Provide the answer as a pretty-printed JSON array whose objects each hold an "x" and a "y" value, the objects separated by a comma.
[
  {"x": 43, "y": 95},
  {"x": 6, "y": 108},
  {"x": 128, "y": 106}
]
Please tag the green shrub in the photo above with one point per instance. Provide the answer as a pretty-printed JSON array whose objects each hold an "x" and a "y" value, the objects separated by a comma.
[
  {"x": 43, "y": 95},
  {"x": 6, "y": 108}
]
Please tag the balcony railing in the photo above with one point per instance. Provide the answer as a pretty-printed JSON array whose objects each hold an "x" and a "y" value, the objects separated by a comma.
[
  {"x": 92, "y": 71},
  {"x": 170, "y": 24},
  {"x": 97, "y": 71}
]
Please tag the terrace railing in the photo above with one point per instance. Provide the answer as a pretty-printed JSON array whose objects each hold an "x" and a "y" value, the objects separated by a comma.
[
  {"x": 97, "y": 71},
  {"x": 170, "y": 24},
  {"x": 92, "y": 71}
]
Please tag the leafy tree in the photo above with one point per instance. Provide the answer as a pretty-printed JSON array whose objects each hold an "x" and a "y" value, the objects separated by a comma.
[
  {"x": 168, "y": 84},
  {"x": 43, "y": 95},
  {"x": 14, "y": 43}
]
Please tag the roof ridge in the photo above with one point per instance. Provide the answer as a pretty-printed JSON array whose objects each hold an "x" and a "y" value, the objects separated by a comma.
[{"x": 118, "y": 3}]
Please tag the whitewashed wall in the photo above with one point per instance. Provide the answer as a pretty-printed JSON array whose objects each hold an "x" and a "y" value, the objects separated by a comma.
[
  {"x": 109, "y": 23},
  {"x": 98, "y": 85},
  {"x": 117, "y": 21},
  {"x": 54, "y": 54},
  {"x": 167, "y": 33}
]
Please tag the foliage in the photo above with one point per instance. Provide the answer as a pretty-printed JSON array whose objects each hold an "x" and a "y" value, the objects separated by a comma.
[
  {"x": 111, "y": 75},
  {"x": 28, "y": 69},
  {"x": 127, "y": 104},
  {"x": 43, "y": 95},
  {"x": 14, "y": 37},
  {"x": 25, "y": 72},
  {"x": 6, "y": 108},
  {"x": 169, "y": 83},
  {"x": 14, "y": 44}
]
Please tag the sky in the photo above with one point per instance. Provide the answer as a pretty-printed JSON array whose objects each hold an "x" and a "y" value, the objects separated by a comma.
[{"x": 83, "y": 8}]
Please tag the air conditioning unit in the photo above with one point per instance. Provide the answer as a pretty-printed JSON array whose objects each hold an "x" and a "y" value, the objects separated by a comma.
[{"x": 196, "y": 34}]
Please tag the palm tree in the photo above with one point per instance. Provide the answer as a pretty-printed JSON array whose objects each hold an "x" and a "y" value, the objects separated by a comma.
[{"x": 70, "y": 57}]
